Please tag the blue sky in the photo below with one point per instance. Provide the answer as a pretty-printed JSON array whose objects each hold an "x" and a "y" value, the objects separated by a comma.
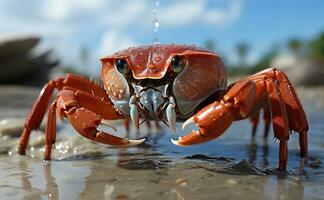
[{"x": 104, "y": 26}]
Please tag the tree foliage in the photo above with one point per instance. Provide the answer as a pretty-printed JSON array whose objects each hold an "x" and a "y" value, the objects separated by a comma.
[{"x": 316, "y": 48}]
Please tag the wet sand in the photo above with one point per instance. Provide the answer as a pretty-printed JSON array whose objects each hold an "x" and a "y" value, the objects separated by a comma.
[{"x": 231, "y": 167}]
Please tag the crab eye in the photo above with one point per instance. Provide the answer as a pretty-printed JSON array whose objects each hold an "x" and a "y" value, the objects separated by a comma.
[
  {"x": 122, "y": 66},
  {"x": 177, "y": 63}
]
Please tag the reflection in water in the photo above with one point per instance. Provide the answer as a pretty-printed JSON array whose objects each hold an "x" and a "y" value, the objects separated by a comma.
[
  {"x": 24, "y": 178},
  {"x": 265, "y": 150},
  {"x": 107, "y": 178},
  {"x": 101, "y": 182},
  {"x": 51, "y": 189},
  {"x": 295, "y": 189},
  {"x": 93, "y": 190},
  {"x": 252, "y": 149},
  {"x": 51, "y": 186}
]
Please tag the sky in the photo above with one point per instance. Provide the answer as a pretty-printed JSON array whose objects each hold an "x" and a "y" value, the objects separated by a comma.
[{"x": 105, "y": 26}]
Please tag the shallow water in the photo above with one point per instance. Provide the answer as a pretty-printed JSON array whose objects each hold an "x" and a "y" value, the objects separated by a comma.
[{"x": 231, "y": 167}]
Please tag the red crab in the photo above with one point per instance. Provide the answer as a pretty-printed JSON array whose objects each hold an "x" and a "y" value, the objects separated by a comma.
[{"x": 170, "y": 83}]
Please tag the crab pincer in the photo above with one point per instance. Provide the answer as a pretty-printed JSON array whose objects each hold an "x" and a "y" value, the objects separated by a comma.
[{"x": 215, "y": 118}]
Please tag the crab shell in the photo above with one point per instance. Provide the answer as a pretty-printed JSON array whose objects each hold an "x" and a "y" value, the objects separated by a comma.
[{"x": 202, "y": 76}]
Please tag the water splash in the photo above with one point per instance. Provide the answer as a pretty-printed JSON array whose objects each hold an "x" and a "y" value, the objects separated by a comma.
[{"x": 156, "y": 23}]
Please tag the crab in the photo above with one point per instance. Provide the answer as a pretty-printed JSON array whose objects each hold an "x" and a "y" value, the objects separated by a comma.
[{"x": 169, "y": 83}]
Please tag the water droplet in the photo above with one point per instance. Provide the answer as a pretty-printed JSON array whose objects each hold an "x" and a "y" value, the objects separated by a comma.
[{"x": 156, "y": 23}]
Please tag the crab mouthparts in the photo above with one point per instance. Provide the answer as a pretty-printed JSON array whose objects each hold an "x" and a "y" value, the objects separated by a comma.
[{"x": 152, "y": 100}]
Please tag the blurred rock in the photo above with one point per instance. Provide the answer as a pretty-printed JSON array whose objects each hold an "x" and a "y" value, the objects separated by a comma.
[
  {"x": 301, "y": 72},
  {"x": 19, "y": 62},
  {"x": 15, "y": 45}
]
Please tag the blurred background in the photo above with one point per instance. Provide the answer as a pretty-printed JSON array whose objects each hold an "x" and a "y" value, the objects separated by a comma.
[{"x": 43, "y": 39}]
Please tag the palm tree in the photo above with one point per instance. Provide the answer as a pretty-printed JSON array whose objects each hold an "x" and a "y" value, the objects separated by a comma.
[
  {"x": 316, "y": 48},
  {"x": 210, "y": 45},
  {"x": 242, "y": 49},
  {"x": 294, "y": 46}
]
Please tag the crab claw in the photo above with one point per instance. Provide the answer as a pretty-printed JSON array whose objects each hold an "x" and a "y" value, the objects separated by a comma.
[
  {"x": 106, "y": 138},
  {"x": 86, "y": 123},
  {"x": 212, "y": 121}
]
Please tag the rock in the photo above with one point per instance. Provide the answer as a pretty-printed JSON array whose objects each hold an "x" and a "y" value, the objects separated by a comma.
[
  {"x": 307, "y": 73},
  {"x": 19, "y": 64},
  {"x": 11, "y": 126},
  {"x": 14, "y": 126},
  {"x": 14, "y": 45},
  {"x": 315, "y": 164}
]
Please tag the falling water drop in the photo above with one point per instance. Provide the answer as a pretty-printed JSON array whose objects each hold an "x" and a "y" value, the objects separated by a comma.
[{"x": 156, "y": 23}]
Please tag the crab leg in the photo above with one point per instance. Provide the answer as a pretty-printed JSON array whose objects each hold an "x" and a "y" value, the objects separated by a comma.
[
  {"x": 266, "y": 119},
  {"x": 50, "y": 131},
  {"x": 36, "y": 115},
  {"x": 279, "y": 121},
  {"x": 296, "y": 115},
  {"x": 255, "y": 122}
]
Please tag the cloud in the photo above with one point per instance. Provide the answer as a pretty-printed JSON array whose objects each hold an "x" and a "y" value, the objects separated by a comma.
[
  {"x": 65, "y": 10},
  {"x": 113, "y": 41},
  {"x": 180, "y": 13},
  {"x": 218, "y": 13},
  {"x": 223, "y": 17},
  {"x": 124, "y": 14}
]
